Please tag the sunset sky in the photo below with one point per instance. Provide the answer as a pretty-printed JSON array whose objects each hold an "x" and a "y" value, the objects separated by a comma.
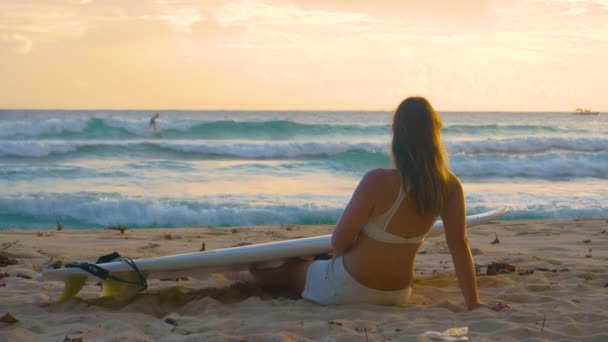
[{"x": 304, "y": 54}]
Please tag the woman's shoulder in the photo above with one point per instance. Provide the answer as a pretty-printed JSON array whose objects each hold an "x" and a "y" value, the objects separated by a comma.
[
  {"x": 382, "y": 175},
  {"x": 380, "y": 179},
  {"x": 377, "y": 183},
  {"x": 390, "y": 177},
  {"x": 454, "y": 183}
]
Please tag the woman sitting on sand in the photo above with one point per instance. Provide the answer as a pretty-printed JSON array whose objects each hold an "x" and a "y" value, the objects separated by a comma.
[{"x": 385, "y": 223}]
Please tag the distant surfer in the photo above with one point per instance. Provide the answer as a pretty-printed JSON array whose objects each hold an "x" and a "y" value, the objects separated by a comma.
[{"x": 153, "y": 123}]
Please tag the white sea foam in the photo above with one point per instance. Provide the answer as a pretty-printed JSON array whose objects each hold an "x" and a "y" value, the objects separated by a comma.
[
  {"x": 104, "y": 210},
  {"x": 95, "y": 209},
  {"x": 141, "y": 127},
  {"x": 546, "y": 204},
  {"x": 528, "y": 145},
  {"x": 273, "y": 149},
  {"x": 544, "y": 166},
  {"x": 35, "y": 148},
  {"x": 12, "y": 129},
  {"x": 39, "y": 148},
  {"x": 298, "y": 149},
  {"x": 56, "y": 126}
]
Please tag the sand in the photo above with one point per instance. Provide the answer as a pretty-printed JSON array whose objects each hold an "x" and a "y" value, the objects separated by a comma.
[{"x": 560, "y": 295}]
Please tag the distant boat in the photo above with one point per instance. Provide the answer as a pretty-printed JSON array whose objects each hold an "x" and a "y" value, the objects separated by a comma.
[{"x": 584, "y": 111}]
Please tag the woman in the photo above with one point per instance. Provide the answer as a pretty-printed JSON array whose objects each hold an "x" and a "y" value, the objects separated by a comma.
[{"x": 385, "y": 223}]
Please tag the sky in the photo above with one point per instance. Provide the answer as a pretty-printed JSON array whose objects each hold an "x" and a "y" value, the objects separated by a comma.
[{"x": 498, "y": 55}]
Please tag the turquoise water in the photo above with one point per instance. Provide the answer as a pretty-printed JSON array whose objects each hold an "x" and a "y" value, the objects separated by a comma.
[{"x": 228, "y": 168}]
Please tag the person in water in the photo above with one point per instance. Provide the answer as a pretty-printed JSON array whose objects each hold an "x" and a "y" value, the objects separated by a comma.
[
  {"x": 153, "y": 123},
  {"x": 386, "y": 221}
]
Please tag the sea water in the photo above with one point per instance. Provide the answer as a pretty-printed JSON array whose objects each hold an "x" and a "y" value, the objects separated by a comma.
[{"x": 90, "y": 169}]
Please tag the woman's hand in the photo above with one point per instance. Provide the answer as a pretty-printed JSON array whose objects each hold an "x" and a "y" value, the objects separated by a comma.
[{"x": 495, "y": 307}]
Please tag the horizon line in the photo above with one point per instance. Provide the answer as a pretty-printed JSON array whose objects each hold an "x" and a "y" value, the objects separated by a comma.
[{"x": 284, "y": 110}]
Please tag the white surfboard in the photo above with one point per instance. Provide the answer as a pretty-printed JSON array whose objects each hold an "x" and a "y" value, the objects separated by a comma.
[{"x": 224, "y": 258}]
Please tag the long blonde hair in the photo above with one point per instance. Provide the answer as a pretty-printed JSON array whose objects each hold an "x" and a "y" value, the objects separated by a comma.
[{"x": 419, "y": 155}]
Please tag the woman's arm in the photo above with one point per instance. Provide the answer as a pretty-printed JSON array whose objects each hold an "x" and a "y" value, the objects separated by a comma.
[
  {"x": 356, "y": 214},
  {"x": 455, "y": 227}
]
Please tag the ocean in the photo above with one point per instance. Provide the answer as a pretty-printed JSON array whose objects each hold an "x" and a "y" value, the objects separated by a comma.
[{"x": 91, "y": 169}]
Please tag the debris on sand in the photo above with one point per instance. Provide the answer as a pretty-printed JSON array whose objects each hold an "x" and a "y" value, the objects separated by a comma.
[
  {"x": 119, "y": 228},
  {"x": 241, "y": 244},
  {"x": 8, "y": 318},
  {"x": 554, "y": 270},
  {"x": 53, "y": 264},
  {"x": 524, "y": 271},
  {"x": 496, "y": 240},
  {"x": 500, "y": 268},
  {"x": 171, "y": 321},
  {"x": 7, "y": 259},
  {"x": 478, "y": 269},
  {"x": 176, "y": 279},
  {"x": 288, "y": 227},
  {"x": 6, "y": 245}
]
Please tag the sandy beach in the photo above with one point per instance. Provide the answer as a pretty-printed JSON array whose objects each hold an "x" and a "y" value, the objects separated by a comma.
[{"x": 556, "y": 293}]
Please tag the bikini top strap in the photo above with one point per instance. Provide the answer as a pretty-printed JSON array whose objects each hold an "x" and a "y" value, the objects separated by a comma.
[{"x": 389, "y": 215}]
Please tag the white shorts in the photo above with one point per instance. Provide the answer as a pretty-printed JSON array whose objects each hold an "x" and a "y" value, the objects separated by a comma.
[{"x": 328, "y": 282}]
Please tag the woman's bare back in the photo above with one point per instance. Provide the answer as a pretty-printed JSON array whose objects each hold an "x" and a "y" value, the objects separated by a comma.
[{"x": 381, "y": 265}]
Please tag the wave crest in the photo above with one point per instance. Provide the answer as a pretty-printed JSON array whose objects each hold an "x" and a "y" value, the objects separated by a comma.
[
  {"x": 121, "y": 128},
  {"x": 288, "y": 149}
]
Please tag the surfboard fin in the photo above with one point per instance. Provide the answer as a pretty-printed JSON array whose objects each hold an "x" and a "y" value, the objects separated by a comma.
[
  {"x": 121, "y": 290},
  {"x": 72, "y": 285},
  {"x": 121, "y": 285}
]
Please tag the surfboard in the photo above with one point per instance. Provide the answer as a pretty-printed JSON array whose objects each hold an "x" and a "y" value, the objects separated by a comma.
[{"x": 75, "y": 278}]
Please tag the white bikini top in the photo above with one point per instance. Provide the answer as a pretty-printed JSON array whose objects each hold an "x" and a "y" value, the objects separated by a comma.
[{"x": 375, "y": 227}]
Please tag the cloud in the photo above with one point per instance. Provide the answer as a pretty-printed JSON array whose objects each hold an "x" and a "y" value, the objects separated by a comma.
[
  {"x": 302, "y": 53},
  {"x": 17, "y": 43},
  {"x": 441, "y": 9},
  {"x": 41, "y": 21},
  {"x": 179, "y": 21},
  {"x": 177, "y": 15},
  {"x": 575, "y": 11}
]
